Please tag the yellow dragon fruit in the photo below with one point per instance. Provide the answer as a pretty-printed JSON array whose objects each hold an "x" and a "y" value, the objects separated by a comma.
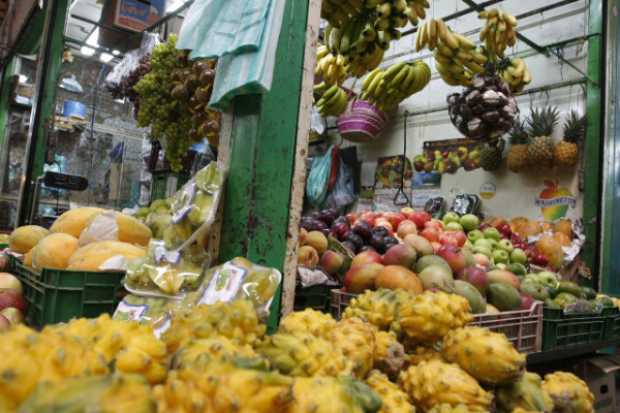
[
  {"x": 489, "y": 357},
  {"x": 526, "y": 394},
  {"x": 330, "y": 395},
  {"x": 389, "y": 355},
  {"x": 308, "y": 321},
  {"x": 422, "y": 353},
  {"x": 427, "y": 317},
  {"x": 568, "y": 392},
  {"x": 435, "y": 382},
  {"x": 379, "y": 308},
  {"x": 355, "y": 339},
  {"x": 203, "y": 351},
  {"x": 393, "y": 399},
  {"x": 461, "y": 408},
  {"x": 303, "y": 355}
]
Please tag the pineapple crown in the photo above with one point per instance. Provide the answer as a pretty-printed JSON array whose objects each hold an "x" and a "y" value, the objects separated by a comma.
[
  {"x": 574, "y": 127},
  {"x": 518, "y": 133},
  {"x": 542, "y": 121}
]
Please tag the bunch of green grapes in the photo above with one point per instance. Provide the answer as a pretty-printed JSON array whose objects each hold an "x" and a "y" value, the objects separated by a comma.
[{"x": 168, "y": 117}]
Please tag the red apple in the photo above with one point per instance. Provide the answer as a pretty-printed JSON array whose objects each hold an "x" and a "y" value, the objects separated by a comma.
[
  {"x": 5, "y": 324},
  {"x": 398, "y": 277},
  {"x": 447, "y": 238},
  {"x": 453, "y": 256},
  {"x": 420, "y": 218},
  {"x": 10, "y": 298},
  {"x": 407, "y": 211},
  {"x": 526, "y": 302},
  {"x": 395, "y": 218},
  {"x": 10, "y": 282},
  {"x": 460, "y": 236},
  {"x": 400, "y": 254},
  {"x": 405, "y": 228},
  {"x": 434, "y": 223},
  {"x": 13, "y": 315},
  {"x": 476, "y": 277},
  {"x": 366, "y": 257},
  {"x": 482, "y": 261},
  {"x": 361, "y": 278},
  {"x": 331, "y": 262},
  {"x": 431, "y": 234},
  {"x": 436, "y": 246},
  {"x": 369, "y": 217}
]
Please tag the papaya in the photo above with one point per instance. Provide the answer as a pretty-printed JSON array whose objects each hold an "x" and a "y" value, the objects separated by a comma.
[
  {"x": 23, "y": 239},
  {"x": 90, "y": 257},
  {"x": 503, "y": 296},
  {"x": 54, "y": 251},
  {"x": 476, "y": 301},
  {"x": 75, "y": 220}
]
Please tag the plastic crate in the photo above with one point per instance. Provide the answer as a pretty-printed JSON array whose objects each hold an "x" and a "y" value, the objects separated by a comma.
[
  {"x": 522, "y": 327},
  {"x": 55, "y": 296},
  {"x": 612, "y": 322},
  {"x": 315, "y": 297},
  {"x": 566, "y": 330}
]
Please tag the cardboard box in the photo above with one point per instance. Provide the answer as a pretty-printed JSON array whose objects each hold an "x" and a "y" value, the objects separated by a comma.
[{"x": 599, "y": 373}]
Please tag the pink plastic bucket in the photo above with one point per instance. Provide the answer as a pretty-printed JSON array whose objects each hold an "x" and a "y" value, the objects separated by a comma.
[{"x": 362, "y": 122}]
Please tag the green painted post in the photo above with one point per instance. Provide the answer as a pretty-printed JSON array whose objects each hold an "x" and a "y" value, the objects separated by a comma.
[
  {"x": 5, "y": 98},
  {"x": 48, "y": 71},
  {"x": 256, "y": 209},
  {"x": 594, "y": 138}
]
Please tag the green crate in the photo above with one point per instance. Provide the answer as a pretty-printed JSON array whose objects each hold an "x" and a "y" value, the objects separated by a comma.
[
  {"x": 316, "y": 297},
  {"x": 55, "y": 296},
  {"x": 160, "y": 182},
  {"x": 612, "y": 325},
  {"x": 562, "y": 331}
]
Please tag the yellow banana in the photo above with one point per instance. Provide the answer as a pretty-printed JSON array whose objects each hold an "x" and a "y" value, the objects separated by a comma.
[
  {"x": 400, "y": 76},
  {"x": 432, "y": 41},
  {"x": 370, "y": 78},
  {"x": 464, "y": 41},
  {"x": 445, "y": 50}
]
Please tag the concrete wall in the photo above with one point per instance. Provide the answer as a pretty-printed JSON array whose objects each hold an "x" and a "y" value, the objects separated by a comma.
[{"x": 516, "y": 193}]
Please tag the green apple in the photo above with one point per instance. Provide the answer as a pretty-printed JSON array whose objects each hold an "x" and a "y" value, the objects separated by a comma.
[
  {"x": 483, "y": 242},
  {"x": 492, "y": 242},
  {"x": 481, "y": 249},
  {"x": 501, "y": 256},
  {"x": 453, "y": 226},
  {"x": 470, "y": 222},
  {"x": 475, "y": 235},
  {"x": 492, "y": 233},
  {"x": 450, "y": 217},
  {"x": 469, "y": 245},
  {"x": 517, "y": 269},
  {"x": 518, "y": 255},
  {"x": 505, "y": 245}
]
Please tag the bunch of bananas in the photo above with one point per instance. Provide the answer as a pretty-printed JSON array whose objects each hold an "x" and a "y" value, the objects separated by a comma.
[
  {"x": 333, "y": 69},
  {"x": 456, "y": 57},
  {"x": 332, "y": 100},
  {"x": 361, "y": 30},
  {"x": 386, "y": 89},
  {"x": 499, "y": 31},
  {"x": 516, "y": 74}
]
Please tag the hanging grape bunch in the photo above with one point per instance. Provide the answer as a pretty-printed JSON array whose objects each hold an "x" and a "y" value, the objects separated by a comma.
[
  {"x": 206, "y": 121},
  {"x": 171, "y": 101}
]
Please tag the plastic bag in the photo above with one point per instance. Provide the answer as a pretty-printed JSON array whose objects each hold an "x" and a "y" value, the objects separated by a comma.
[
  {"x": 318, "y": 178},
  {"x": 343, "y": 193},
  {"x": 102, "y": 228},
  {"x": 130, "y": 61}
]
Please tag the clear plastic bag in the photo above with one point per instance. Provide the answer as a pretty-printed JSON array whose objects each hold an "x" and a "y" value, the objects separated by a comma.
[
  {"x": 343, "y": 193},
  {"x": 131, "y": 60}
]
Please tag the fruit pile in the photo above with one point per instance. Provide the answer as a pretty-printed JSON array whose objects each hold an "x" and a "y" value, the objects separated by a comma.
[
  {"x": 386, "y": 89},
  {"x": 73, "y": 240},
  {"x": 448, "y": 161}
]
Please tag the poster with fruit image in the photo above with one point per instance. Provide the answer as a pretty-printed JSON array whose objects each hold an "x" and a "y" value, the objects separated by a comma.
[
  {"x": 555, "y": 200},
  {"x": 389, "y": 172},
  {"x": 448, "y": 155}
]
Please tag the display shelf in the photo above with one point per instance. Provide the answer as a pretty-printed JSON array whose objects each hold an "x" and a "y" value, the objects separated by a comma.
[{"x": 566, "y": 353}]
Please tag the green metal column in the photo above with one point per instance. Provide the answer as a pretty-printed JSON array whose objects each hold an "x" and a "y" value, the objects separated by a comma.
[
  {"x": 594, "y": 137},
  {"x": 262, "y": 156},
  {"x": 5, "y": 98},
  {"x": 43, "y": 110}
]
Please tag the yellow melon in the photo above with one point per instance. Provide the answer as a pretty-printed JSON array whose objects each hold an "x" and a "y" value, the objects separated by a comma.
[
  {"x": 23, "y": 239},
  {"x": 75, "y": 220},
  {"x": 132, "y": 231},
  {"x": 91, "y": 256},
  {"x": 54, "y": 251}
]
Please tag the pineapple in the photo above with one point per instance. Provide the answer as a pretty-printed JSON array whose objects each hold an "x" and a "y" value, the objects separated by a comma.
[
  {"x": 517, "y": 158},
  {"x": 489, "y": 357},
  {"x": 491, "y": 155},
  {"x": 540, "y": 127},
  {"x": 565, "y": 152}
]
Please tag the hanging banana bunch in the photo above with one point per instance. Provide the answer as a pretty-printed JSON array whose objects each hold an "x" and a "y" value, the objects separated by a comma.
[
  {"x": 516, "y": 74},
  {"x": 387, "y": 88},
  {"x": 333, "y": 69},
  {"x": 339, "y": 12},
  {"x": 498, "y": 32},
  {"x": 330, "y": 100},
  {"x": 456, "y": 58}
]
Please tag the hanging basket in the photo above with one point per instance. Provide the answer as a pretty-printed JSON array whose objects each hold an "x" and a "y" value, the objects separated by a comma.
[{"x": 362, "y": 122}]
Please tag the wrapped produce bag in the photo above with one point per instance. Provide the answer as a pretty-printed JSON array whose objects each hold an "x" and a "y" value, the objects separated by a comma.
[{"x": 176, "y": 263}]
